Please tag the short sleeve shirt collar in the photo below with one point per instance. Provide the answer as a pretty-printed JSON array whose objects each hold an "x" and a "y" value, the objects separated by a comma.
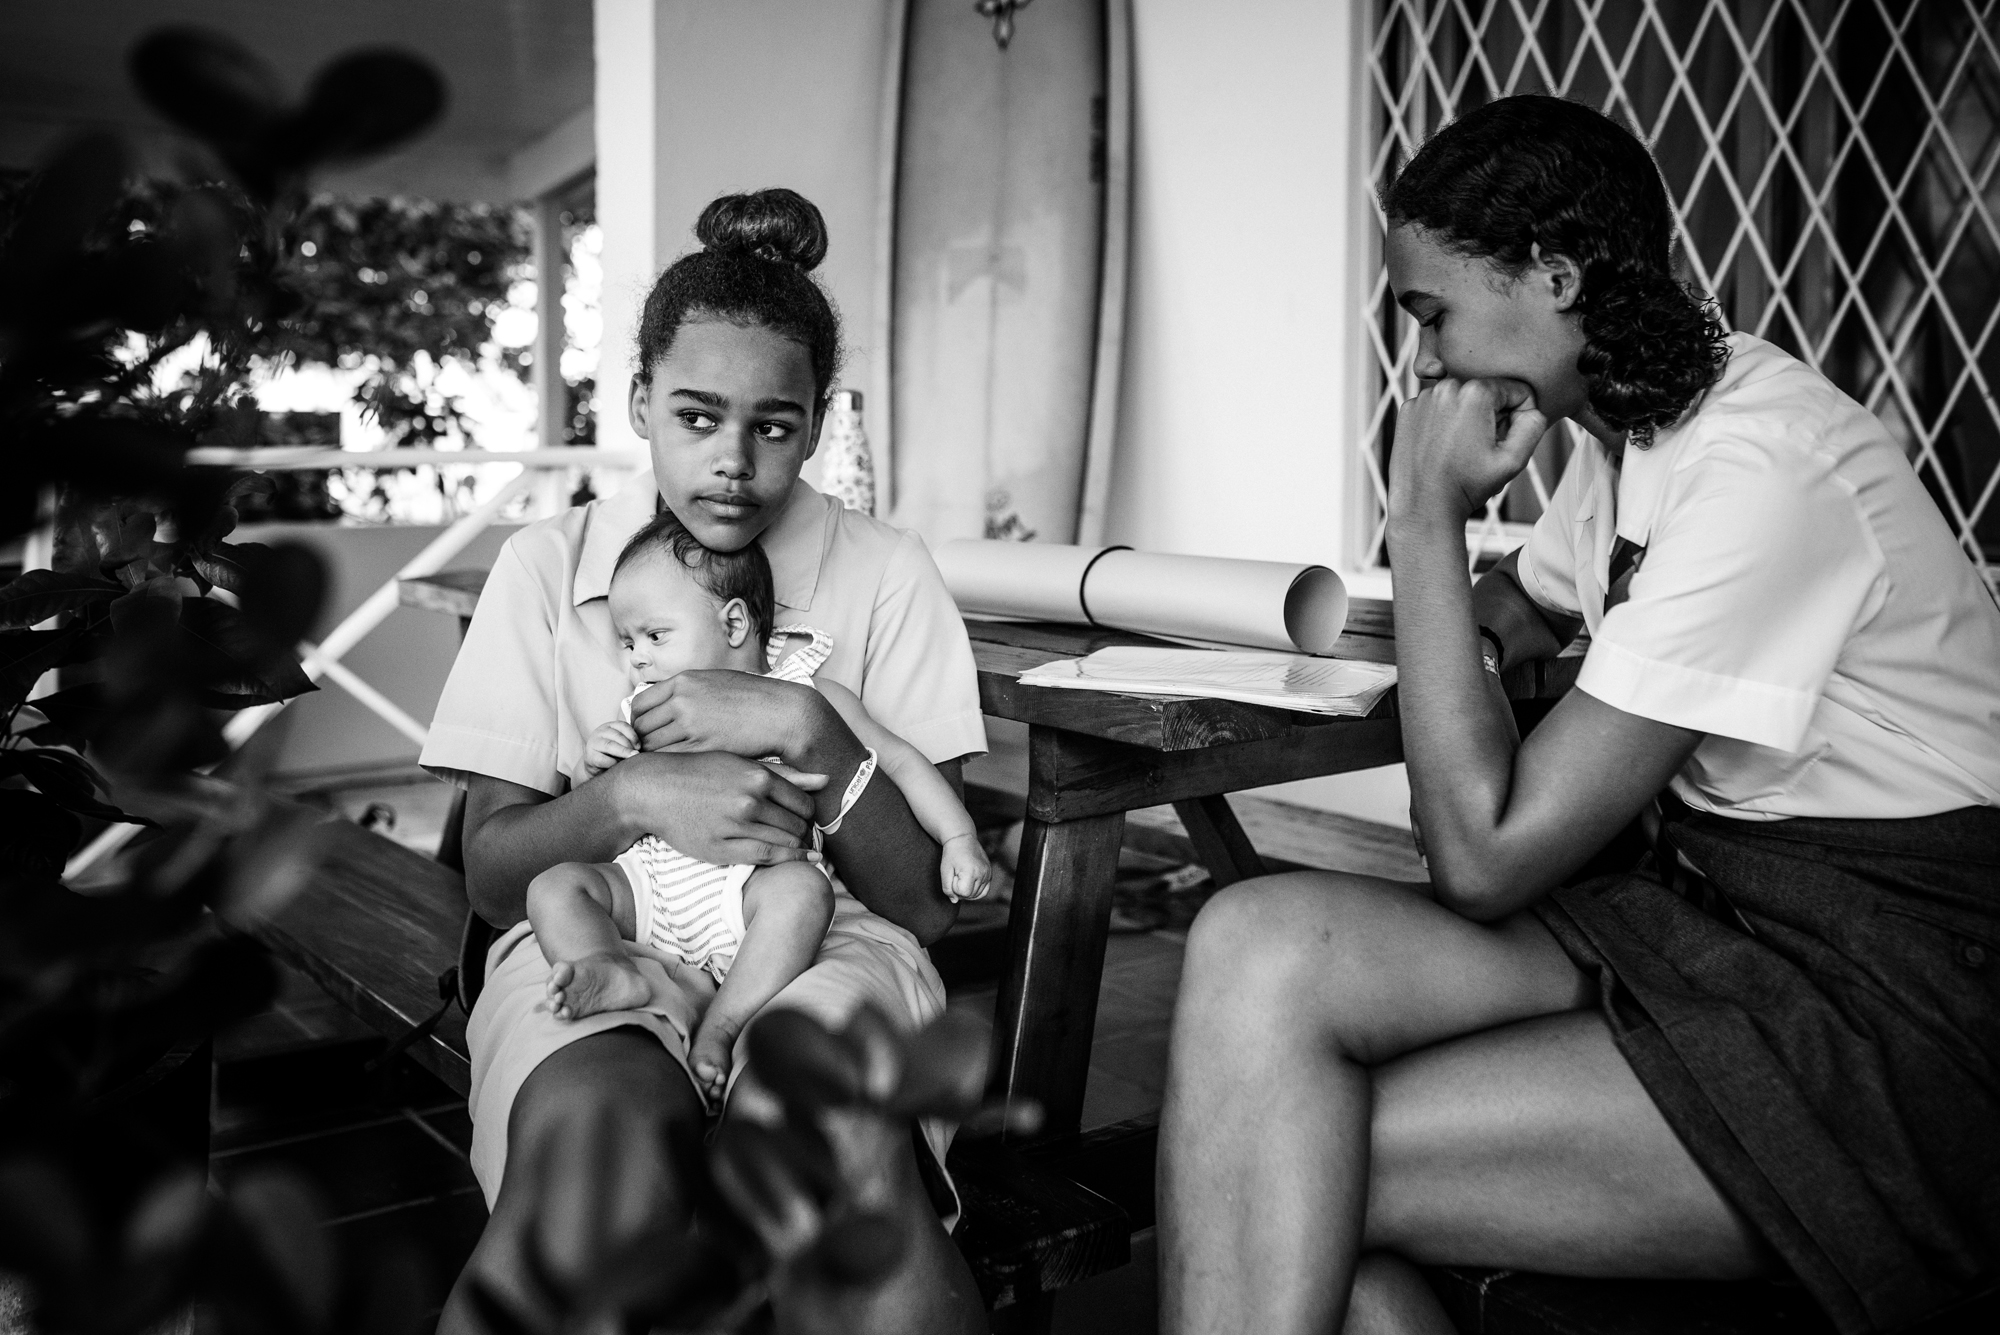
[{"x": 795, "y": 543}]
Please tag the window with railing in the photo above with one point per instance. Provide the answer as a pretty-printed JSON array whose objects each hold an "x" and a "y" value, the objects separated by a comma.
[{"x": 1832, "y": 168}]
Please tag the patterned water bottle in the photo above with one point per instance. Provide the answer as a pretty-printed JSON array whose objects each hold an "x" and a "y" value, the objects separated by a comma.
[{"x": 848, "y": 473}]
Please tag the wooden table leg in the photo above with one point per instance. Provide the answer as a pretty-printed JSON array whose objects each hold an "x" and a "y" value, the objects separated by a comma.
[
  {"x": 1055, "y": 961},
  {"x": 1219, "y": 841}
]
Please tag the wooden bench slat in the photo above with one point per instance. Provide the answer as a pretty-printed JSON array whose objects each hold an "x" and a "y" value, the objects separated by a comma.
[{"x": 375, "y": 926}]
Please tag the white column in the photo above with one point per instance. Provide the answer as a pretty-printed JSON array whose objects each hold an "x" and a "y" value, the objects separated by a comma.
[
  {"x": 628, "y": 185},
  {"x": 549, "y": 388},
  {"x": 552, "y": 488}
]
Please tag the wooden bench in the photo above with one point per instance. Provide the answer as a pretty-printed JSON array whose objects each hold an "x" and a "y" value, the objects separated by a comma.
[{"x": 377, "y": 924}]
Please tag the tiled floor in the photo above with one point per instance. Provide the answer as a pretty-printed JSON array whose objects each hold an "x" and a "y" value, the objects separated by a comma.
[{"x": 384, "y": 1151}]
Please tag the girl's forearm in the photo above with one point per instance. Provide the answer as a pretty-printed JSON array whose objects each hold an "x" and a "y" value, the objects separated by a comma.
[
  {"x": 1502, "y": 606},
  {"x": 1458, "y": 735},
  {"x": 890, "y": 864},
  {"x": 883, "y": 854},
  {"x": 513, "y": 834}
]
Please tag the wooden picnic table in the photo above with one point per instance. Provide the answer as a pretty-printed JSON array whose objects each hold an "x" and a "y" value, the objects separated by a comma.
[{"x": 1092, "y": 757}]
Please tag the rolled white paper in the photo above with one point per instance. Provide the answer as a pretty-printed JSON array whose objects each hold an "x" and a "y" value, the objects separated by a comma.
[
  {"x": 1212, "y": 599},
  {"x": 1263, "y": 604},
  {"x": 1035, "y": 581}
]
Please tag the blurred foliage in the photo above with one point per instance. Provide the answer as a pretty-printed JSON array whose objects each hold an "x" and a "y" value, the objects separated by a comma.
[
  {"x": 402, "y": 286},
  {"x": 396, "y": 288},
  {"x": 580, "y": 411},
  {"x": 156, "y": 628},
  {"x": 793, "y": 1204}
]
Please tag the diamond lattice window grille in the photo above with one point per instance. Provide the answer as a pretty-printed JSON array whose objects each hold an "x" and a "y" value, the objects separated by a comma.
[{"x": 1834, "y": 167}]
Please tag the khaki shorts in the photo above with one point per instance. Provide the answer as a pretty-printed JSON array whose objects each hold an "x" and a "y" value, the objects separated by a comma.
[{"x": 864, "y": 958}]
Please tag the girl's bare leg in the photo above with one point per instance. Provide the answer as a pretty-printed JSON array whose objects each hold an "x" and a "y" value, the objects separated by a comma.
[
  {"x": 1562, "y": 1164},
  {"x": 1392, "y": 1297},
  {"x": 786, "y": 909},
  {"x": 1530, "y": 1144},
  {"x": 619, "y": 1087},
  {"x": 623, "y": 1084}
]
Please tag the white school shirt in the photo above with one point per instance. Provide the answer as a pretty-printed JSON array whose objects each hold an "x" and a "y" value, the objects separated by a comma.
[
  {"x": 1797, "y": 596},
  {"x": 541, "y": 665}
]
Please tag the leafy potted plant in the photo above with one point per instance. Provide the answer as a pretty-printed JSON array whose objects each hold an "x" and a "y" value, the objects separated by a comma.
[{"x": 151, "y": 628}]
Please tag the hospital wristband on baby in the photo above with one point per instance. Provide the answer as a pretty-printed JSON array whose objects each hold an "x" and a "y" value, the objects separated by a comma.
[{"x": 862, "y": 773}]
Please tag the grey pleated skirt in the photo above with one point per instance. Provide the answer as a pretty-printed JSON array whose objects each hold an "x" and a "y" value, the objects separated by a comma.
[{"x": 1824, "y": 1035}]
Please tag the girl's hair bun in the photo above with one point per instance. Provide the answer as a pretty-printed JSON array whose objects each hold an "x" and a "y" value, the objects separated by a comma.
[
  {"x": 753, "y": 269},
  {"x": 777, "y": 224}
]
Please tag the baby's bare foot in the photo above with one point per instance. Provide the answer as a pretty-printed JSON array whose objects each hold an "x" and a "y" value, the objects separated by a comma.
[
  {"x": 713, "y": 1053},
  {"x": 596, "y": 983}
]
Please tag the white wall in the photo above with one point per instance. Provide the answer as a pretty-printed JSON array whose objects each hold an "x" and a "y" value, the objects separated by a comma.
[
  {"x": 1240, "y": 392},
  {"x": 627, "y": 112}
]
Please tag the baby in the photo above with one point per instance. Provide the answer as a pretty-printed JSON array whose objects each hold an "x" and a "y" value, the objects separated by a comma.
[{"x": 677, "y": 605}]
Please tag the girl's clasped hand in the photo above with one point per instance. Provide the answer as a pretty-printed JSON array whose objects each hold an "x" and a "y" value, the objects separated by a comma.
[
  {"x": 715, "y": 719},
  {"x": 1458, "y": 443},
  {"x": 721, "y": 710},
  {"x": 723, "y": 808}
]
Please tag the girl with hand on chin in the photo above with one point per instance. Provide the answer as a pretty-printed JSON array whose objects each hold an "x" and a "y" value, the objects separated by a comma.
[
  {"x": 737, "y": 350},
  {"x": 1774, "y": 1045}
]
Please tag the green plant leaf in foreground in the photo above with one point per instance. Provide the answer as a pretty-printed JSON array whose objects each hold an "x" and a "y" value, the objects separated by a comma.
[
  {"x": 65, "y": 778},
  {"x": 41, "y": 594}
]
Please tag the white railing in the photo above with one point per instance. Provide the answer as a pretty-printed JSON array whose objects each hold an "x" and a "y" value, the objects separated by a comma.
[{"x": 322, "y": 661}]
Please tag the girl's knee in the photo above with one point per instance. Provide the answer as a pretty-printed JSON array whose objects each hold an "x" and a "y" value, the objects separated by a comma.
[
  {"x": 1312, "y": 943},
  {"x": 1260, "y": 924}
]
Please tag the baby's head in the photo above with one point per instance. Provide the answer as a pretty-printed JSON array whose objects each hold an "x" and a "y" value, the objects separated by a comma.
[{"x": 678, "y": 605}]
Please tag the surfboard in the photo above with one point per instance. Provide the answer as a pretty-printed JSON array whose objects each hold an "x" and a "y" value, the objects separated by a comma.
[{"x": 1010, "y": 205}]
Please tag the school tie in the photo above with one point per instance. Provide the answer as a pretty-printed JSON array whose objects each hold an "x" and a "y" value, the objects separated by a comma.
[{"x": 1625, "y": 558}]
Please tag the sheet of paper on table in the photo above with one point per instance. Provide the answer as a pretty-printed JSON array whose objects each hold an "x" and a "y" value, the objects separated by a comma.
[{"x": 1284, "y": 681}]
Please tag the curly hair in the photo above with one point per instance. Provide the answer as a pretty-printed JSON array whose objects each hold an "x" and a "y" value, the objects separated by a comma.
[
  {"x": 1531, "y": 170},
  {"x": 744, "y": 573},
  {"x": 755, "y": 267}
]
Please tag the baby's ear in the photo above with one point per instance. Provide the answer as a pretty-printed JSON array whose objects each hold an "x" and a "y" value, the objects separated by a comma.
[{"x": 736, "y": 621}]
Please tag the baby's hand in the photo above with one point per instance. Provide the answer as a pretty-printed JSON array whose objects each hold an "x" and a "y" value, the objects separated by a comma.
[
  {"x": 964, "y": 869},
  {"x": 608, "y": 745}
]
